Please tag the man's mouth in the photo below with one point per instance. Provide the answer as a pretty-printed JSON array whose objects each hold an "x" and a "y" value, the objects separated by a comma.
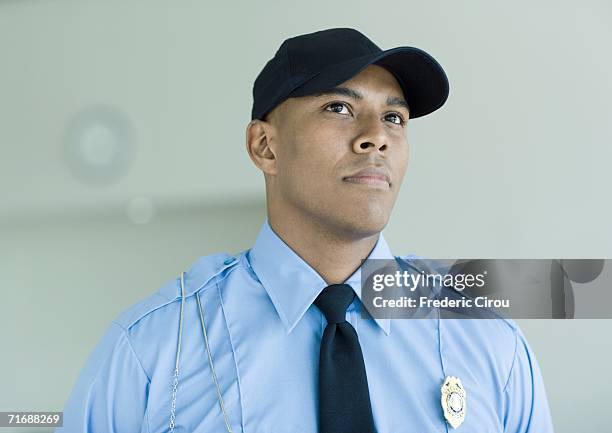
[
  {"x": 372, "y": 176},
  {"x": 368, "y": 180}
]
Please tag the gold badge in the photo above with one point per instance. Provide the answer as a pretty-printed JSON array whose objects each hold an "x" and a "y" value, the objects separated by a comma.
[{"x": 453, "y": 401}]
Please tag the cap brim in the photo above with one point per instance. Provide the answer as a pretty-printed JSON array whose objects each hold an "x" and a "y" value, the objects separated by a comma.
[{"x": 421, "y": 77}]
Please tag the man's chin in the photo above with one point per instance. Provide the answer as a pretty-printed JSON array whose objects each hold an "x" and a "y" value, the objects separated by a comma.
[{"x": 359, "y": 228}]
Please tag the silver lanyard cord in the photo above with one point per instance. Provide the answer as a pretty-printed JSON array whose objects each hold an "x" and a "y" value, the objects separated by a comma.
[
  {"x": 212, "y": 367},
  {"x": 210, "y": 361},
  {"x": 178, "y": 356}
]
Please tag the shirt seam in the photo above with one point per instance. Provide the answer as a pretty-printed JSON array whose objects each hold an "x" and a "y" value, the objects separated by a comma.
[
  {"x": 513, "y": 361},
  {"x": 99, "y": 372},
  {"x": 134, "y": 352}
]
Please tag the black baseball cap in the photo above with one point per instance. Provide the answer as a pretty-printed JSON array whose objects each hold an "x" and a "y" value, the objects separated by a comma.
[{"x": 319, "y": 61}]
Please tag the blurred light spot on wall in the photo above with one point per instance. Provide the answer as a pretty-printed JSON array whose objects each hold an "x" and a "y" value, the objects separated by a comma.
[
  {"x": 99, "y": 145},
  {"x": 140, "y": 210}
]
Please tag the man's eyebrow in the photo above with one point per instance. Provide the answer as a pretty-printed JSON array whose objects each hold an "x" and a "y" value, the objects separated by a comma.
[
  {"x": 345, "y": 91},
  {"x": 398, "y": 102}
]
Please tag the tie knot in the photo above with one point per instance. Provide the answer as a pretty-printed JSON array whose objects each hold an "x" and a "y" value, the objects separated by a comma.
[{"x": 334, "y": 300}]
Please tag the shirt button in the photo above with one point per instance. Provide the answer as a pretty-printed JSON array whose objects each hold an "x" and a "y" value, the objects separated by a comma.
[{"x": 229, "y": 260}]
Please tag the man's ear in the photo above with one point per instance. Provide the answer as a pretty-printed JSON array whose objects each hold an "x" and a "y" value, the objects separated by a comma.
[{"x": 259, "y": 137}]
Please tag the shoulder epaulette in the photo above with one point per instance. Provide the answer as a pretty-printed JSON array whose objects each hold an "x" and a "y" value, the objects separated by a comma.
[{"x": 202, "y": 273}]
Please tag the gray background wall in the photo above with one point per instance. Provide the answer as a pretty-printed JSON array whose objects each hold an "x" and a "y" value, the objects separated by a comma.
[{"x": 514, "y": 165}]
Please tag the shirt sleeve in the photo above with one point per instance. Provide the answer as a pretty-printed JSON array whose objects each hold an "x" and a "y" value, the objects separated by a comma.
[
  {"x": 526, "y": 405},
  {"x": 111, "y": 392}
]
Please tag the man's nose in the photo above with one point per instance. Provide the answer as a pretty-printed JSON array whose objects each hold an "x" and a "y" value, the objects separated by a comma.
[{"x": 372, "y": 136}]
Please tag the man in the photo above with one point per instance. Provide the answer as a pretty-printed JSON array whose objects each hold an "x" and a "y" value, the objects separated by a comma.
[{"x": 271, "y": 340}]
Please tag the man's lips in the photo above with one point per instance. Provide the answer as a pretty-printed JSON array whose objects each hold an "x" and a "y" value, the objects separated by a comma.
[{"x": 370, "y": 176}]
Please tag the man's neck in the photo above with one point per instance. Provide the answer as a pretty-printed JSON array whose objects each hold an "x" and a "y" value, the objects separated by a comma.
[{"x": 334, "y": 257}]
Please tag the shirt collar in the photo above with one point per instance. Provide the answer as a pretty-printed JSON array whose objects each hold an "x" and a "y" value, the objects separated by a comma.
[{"x": 293, "y": 284}]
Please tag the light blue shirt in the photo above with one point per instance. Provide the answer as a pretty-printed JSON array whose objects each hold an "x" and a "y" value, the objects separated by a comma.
[{"x": 264, "y": 335}]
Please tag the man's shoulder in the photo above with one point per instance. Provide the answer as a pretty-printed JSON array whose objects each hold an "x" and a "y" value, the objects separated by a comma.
[
  {"x": 202, "y": 274},
  {"x": 490, "y": 326}
]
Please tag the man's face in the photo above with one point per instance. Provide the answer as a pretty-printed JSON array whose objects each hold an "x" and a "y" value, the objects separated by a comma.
[{"x": 322, "y": 142}]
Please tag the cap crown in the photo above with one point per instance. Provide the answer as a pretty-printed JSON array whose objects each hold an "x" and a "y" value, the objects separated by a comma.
[{"x": 302, "y": 57}]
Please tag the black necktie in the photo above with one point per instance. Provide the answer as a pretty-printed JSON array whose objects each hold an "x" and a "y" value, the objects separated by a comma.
[{"x": 344, "y": 399}]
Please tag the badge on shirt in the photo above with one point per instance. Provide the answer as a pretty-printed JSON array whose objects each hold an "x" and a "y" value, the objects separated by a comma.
[{"x": 453, "y": 401}]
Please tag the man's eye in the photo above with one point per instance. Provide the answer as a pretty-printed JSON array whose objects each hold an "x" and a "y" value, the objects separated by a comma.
[
  {"x": 337, "y": 104},
  {"x": 399, "y": 120}
]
